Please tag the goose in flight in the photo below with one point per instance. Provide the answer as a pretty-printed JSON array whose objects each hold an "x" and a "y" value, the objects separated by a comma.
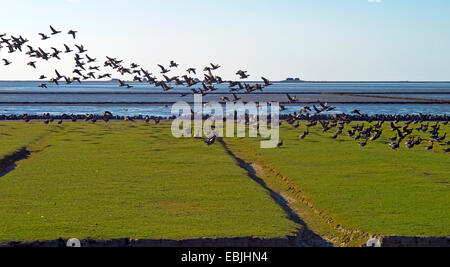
[
  {"x": 44, "y": 37},
  {"x": 6, "y": 62},
  {"x": 90, "y": 60},
  {"x": 55, "y": 81},
  {"x": 78, "y": 57},
  {"x": 32, "y": 64},
  {"x": 291, "y": 98},
  {"x": 54, "y": 32},
  {"x": 173, "y": 64},
  {"x": 68, "y": 50},
  {"x": 77, "y": 71},
  {"x": 81, "y": 49},
  {"x": 191, "y": 70},
  {"x": 55, "y": 53},
  {"x": 104, "y": 76},
  {"x": 42, "y": 85},
  {"x": 73, "y": 33},
  {"x": 236, "y": 98},
  {"x": 163, "y": 70},
  {"x": 243, "y": 74},
  {"x": 76, "y": 79},
  {"x": 214, "y": 67},
  {"x": 266, "y": 81},
  {"x": 58, "y": 76},
  {"x": 134, "y": 66}
]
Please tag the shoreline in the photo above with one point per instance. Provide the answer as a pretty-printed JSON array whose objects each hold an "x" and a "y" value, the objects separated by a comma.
[
  {"x": 249, "y": 81},
  {"x": 436, "y": 102},
  {"x": 226, "y": 93}
]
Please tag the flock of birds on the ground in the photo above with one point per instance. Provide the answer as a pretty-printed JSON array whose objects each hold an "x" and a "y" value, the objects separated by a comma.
[
  {"x": 86, "y": 68},
  {"x": 365, "y": 131}
]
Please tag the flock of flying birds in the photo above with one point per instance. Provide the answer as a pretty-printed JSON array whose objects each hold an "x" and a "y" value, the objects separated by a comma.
[{"x": 86, "y": 68}]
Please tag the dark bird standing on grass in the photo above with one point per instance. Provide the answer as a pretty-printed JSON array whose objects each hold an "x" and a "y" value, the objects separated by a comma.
[
  {"x": 430, "y": 147},
  {"x": 210, "y": 141},
  {"x": 280, "y": 144},
  {"x": 304, "y": 135},
  {"x": 363, "y": 144},
  {"x": 394, "y": 145}
]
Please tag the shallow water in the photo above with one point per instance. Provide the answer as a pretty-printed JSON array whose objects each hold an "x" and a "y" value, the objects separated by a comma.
[{"x": 84, "y": 98}]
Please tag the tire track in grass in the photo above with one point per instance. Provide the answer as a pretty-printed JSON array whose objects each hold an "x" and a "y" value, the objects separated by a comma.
[{"x": 305, "y": 237}]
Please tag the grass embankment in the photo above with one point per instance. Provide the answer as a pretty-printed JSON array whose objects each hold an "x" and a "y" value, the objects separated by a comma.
[
  {"x": 16, "y": 135},
  {"x": 128, "y": 180},
  {"x": 373, "y": 189}
]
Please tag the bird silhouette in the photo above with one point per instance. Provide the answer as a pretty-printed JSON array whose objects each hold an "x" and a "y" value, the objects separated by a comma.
[
  {"x": 43, "y": 36},
  {"x": 266, "y": 81},
  {"x": 291, "y": 98},
  {"x": 54, "y": 32},
  {"x": 73, "y": 33},
  {"x": 32, "y": 64},
  {"x": 68, "y": 50}
]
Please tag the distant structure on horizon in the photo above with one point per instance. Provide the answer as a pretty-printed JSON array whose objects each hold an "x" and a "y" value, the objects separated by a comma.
[{"x": 293, "y": 79}]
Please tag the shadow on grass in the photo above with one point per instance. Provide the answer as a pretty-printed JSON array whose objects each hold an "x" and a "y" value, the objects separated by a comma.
[{"x": 8, "y": 163}]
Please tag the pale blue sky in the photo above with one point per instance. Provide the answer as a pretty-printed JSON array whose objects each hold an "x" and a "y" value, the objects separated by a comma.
[{"x": 313, "y": 39}]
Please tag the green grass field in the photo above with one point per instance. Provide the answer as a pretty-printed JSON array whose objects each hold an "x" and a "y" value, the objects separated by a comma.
[
  {"x": 373, "y": 189},
  {"x": 122, "y": 180},
  {"x": 134, "y": 180}
]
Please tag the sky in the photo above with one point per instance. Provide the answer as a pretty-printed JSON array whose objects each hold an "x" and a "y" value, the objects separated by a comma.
[{"x": 333, "y": 40}]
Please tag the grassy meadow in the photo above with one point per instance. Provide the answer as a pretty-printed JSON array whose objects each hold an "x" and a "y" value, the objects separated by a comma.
[
  {"x": 134, "y": 180},
  {"x": 373, "y": 189},
  {"x": 123, "y": 180}
]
